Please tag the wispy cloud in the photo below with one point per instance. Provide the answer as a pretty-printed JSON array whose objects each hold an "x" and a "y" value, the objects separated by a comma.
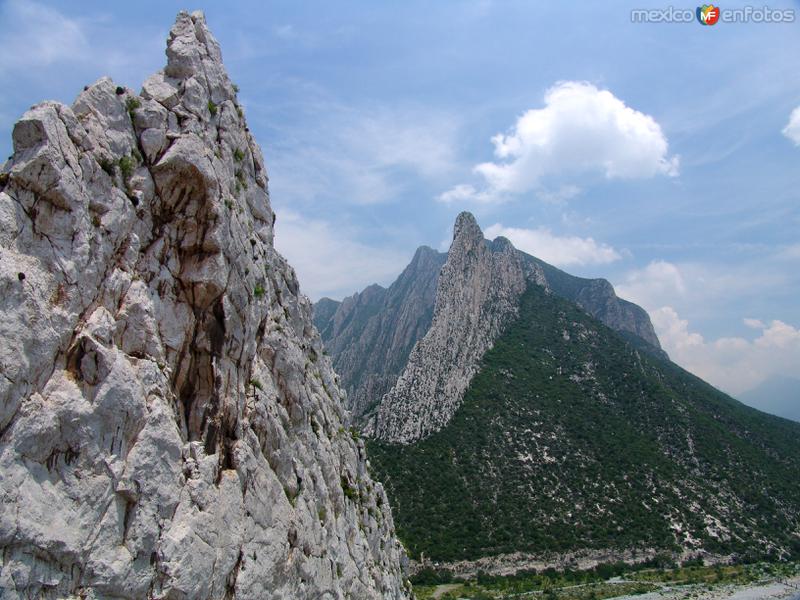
[
  {"x": 35, "y": 36},
  {"x": 561, "y": 251},
  {"x": 581, "y": 129},
  {"x": 329, "y": 260},
  {"x": 363, "y": 156},
  {"x": 659, "y": 283},
  {"x": 792, "y": 129}
]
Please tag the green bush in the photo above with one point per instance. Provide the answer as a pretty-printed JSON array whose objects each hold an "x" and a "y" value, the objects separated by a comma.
[
  {"x": 127, "y": 165},
  {"x": 132, "y": 104}
]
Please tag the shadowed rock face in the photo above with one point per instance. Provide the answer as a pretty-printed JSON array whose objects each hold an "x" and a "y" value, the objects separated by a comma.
[
  {"x": 169, "y": 426},
  {"x": 370, "y": 335}
]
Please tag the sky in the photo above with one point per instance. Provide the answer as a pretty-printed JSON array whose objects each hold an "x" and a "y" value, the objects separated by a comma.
[{"x": 661, "y": 156}]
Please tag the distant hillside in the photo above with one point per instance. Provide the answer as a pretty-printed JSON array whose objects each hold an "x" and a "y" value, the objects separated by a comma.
[{"x": 569, "y": 437}]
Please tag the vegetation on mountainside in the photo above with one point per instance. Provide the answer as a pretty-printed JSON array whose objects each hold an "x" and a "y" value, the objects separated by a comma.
[
  {"x": 596, "y": 584},
  {"x": 570, "y": 438}
]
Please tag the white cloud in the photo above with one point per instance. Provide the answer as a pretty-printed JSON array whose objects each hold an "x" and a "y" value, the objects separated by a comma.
[
  {"x": 581, "y": 129},
  {"x": 36, "y": 36},
  {"x": 659, "y": 283},
  {"x": 328, "y": 260},
  {"x": 792, "y": 129},
  {"x": 754, "y": 323},
  {"x": 463, "y": 193},
  {"x": 557, "y": 250},
  {"x": 733, "y": 364}
]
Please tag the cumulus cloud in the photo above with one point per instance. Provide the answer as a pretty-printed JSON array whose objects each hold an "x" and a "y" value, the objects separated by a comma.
[
  {"x": 792, "y": 129},
  {"x": 581, "y": 129},
  {"x": 561, "y": 251},
  {"x": 329, "y": 261},
  {"x": 733, "y": 364}
]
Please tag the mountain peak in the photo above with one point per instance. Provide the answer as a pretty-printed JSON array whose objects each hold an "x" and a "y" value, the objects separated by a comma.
[
  {"x": 189, "y": 44},
  {"x": 467, "y": 227},
  {"x": 148, "y": 308},
  {"x": 194, "y": 67}
]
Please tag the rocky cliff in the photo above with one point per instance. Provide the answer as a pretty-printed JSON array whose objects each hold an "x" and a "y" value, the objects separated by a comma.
[
  {"x": 371, "y": 321},
  {"x": 477, "y": 294},
  {"x": 371, "y": 334},
  {"x": 598, "y": 298},
  {"x": 169, "y": 425}
]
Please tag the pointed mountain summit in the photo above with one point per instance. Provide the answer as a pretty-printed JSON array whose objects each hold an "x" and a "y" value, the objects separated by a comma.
[
  {"x": 370, "y": 334},
  {"x": 169, "y": 425},
  {"x": 474, "y": 301},
  {"x": 477, "y": 294}
]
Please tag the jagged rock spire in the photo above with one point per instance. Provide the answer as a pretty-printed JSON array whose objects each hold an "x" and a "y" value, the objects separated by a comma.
[
  {"x": 466, "y": 228},
  {"x": 477, "y": 295},
  {"x": 169, "y": 424}
]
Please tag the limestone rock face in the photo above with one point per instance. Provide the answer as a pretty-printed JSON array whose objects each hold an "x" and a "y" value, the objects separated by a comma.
[
  {"x": 477, "y": 295},
  {"x": 169, "y": 425},
  {"x": 370, "y": 334}
]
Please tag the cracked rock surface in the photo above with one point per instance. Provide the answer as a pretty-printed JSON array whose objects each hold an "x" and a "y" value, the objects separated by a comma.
[{"x": 169, "y": 425}]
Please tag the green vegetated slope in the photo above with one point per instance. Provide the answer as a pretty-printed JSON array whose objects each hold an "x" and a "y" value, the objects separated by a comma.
[{"x": 571, "y": 438}]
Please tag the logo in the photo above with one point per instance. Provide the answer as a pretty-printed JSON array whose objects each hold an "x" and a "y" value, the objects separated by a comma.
[{"x": 708, "y": 14}]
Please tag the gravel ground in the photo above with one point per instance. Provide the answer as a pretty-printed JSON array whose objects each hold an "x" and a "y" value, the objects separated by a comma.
[{"x": 778, "y": 590}]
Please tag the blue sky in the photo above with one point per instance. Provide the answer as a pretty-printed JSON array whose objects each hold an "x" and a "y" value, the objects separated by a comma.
[{"x": 650, "y": 154}]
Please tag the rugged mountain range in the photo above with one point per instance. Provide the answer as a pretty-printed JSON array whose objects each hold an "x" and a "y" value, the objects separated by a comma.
[
  {"x": 370, "y": 335},
  {"x": 169, "y": 424},
  {"x": 537, "y": 421}
]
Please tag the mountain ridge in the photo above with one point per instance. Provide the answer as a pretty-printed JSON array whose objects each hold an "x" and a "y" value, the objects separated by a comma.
[{"x": 595, "y": 295}]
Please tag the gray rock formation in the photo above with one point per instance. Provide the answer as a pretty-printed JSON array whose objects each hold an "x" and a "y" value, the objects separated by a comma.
[
  {"x": 477, "y": 295},
  {"x": 371, "y": 334},
  {"x": 169, "y": 426}
]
